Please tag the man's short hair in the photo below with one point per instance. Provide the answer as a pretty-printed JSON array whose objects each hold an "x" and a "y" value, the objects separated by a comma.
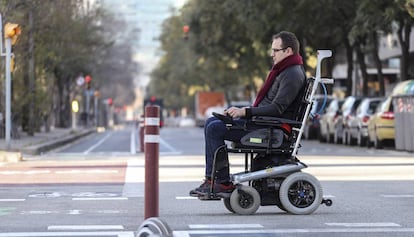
[{"x": 288, "y": 40}]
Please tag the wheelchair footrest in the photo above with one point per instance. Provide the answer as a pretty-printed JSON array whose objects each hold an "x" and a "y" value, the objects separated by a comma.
[{"x": 213, "y": 196}]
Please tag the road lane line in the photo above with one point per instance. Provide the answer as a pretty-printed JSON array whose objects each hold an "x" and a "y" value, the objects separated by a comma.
[
  {"x": 186, "y": 198},
  {"x": 97, "y": 144},
  {"x": 224, "y": 226},
  {"x": 85, "y": 227},
  {"x": 374, "y": 224},
  {"x": 397, "y": 195},
  {"x": 293, "y": 231},
  {"x": 12, "y": 200},
  {"x": 100, "y": 199},
  {"x": 69, "y": 234}
]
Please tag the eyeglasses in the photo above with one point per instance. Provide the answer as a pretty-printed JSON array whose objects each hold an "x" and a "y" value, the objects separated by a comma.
[{"x": 277, "y": 50}]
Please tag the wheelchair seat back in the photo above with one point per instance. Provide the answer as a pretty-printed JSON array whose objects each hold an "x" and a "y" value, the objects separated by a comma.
[{"x": 305, "y": 99}]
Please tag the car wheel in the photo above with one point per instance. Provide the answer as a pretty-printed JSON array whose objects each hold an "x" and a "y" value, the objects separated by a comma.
[
  {"x": 358, "y": 140},
  {"x": 351, "y": 140},
  {"x": 378, "y": 143},
  {"x": 345, "y": 137},
  {"x": 328, "y": 136},
  {"x": 321, "y": 137},
  {"x": 336, "y": 139}
]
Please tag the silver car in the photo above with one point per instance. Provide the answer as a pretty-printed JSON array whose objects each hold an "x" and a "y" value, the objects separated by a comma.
[
  {"x": 358, "y": 123},
  {"x": 328, "y": 119}
]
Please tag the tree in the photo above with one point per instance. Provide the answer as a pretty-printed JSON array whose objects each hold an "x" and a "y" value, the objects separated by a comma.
[{"x": 60, "y": 41}]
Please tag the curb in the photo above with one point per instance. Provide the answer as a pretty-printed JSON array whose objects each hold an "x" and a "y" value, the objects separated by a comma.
[{"x": 50, "y": 145}]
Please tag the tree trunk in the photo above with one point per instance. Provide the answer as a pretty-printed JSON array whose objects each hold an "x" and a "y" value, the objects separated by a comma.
[
  {"x": 378, "y": 64},
  {"x": 404, "y": 40},
  {"x": 350, "y": 69},
  {"x": 363, "y": 68}
]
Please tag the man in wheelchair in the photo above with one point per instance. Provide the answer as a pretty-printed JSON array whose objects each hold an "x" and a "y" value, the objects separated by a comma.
[{"x": 279, "y": 97}]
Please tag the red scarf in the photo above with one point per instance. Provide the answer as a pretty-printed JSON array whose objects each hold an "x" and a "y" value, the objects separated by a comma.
[{"x": 291, "y": 60}]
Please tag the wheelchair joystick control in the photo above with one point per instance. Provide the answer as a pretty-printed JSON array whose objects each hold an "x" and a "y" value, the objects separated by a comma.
[{"x": 225, "y": 118}]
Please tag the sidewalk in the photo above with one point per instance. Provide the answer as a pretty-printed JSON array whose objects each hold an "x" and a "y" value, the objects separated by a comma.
[{"x": 40, "y": 142}]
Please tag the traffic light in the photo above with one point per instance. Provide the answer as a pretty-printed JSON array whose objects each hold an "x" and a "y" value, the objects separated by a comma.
[
  {"x": 88, "y": 80},
  {"x": 186, "y": 29},
  {"x": 12, "y": 31}
]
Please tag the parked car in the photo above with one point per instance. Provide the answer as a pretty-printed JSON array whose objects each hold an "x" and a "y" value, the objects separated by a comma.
[
  {"x": 319, "y": 106},
  {"x": 327, "y": 120},
  {"x": 342, "y": 122},
  {"x": 381, "y": 124},
  {"x": 358, "y": 124}
]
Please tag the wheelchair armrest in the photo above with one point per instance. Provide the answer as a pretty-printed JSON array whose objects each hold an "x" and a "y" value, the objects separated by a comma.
[{"x": 274, "y": 121}]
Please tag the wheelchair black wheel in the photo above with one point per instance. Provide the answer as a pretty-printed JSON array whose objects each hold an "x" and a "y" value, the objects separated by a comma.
[
  {"x": 245, "y": 200},
  {"x": 300, "y": 193},
  {"x": 227, "y": 204}
]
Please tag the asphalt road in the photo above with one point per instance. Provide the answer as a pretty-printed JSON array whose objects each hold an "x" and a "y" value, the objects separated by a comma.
[{"x": 95, "y": 187}]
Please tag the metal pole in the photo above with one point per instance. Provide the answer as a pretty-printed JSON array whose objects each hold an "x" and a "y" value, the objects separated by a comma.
[
  {"x": 152, "y": 140},
  {"x": 8, "y": 93},
  {"x": 95, "y": 110},
  {"x": 87, "y": 107}
]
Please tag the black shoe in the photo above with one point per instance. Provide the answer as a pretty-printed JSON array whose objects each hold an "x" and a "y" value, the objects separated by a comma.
[{"x": 202, "y": 189}]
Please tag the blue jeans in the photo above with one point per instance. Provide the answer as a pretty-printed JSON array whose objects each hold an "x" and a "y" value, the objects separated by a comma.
[{"x": 215, "y": 132}]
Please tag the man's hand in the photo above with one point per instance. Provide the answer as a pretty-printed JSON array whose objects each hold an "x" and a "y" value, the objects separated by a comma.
[{"x": 235, "y": 112}]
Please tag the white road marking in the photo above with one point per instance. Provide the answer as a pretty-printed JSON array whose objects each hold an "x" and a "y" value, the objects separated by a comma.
[
  {"x": 294, "y": 231},
  {"x": 29, "y": 172},
  {"x": 92, "y": 171},
  {"x": 70, "y": 234},
  {"x": 134, "y": 178},
  {"x": 97, "y": 144},
  {"x": 85, "y": 227},
  {"x": 397, "y": 195},
  {"x": 74, "y": 212},
  {"x": 374, "y": 224},
  {"x": 41, "y": 212},
  {"x": 186, "y": 198},
  {"x": 100, "y": 199},
  {"x": 12, "y": 200},
  {"x": 224, "y": 226}
]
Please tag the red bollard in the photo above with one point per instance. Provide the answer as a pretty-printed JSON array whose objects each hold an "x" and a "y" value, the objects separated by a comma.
[{"x": 152, "y": 146}]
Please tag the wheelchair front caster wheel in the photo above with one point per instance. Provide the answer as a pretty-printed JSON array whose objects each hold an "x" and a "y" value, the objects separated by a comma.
[{"x": 245, "y": 200}]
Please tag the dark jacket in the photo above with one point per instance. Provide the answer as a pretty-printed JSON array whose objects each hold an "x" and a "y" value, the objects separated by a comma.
[{"x": 282, "y": 98}]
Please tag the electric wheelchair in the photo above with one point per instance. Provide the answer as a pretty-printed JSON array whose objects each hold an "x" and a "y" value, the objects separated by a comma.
[{"x": 272, "y": 174}]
